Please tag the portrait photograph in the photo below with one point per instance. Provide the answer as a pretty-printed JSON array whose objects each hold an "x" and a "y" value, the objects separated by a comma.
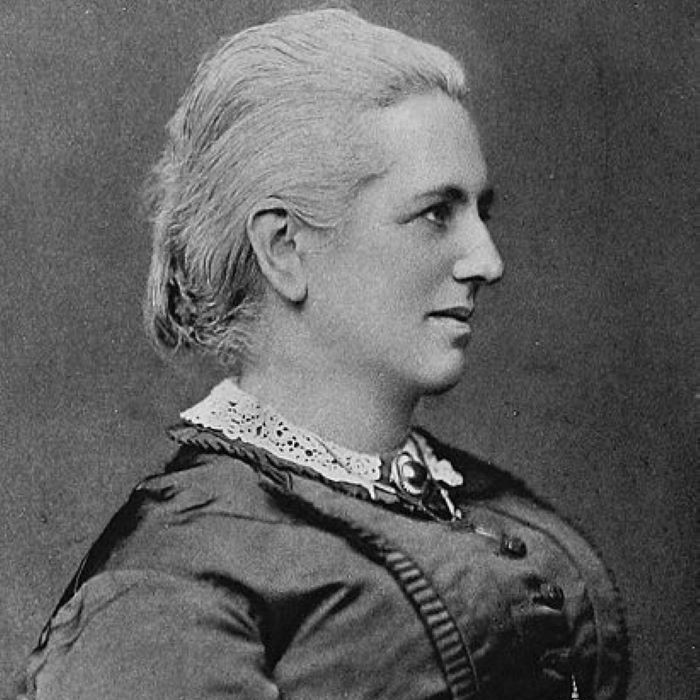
[{"x": 348, "y": 350}]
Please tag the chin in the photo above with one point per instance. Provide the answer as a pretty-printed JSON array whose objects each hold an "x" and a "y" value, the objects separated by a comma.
[{"x": 442, "y": 378}]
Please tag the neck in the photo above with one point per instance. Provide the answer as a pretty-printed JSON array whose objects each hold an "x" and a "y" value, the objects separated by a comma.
[{"x": 361, "y": 414}]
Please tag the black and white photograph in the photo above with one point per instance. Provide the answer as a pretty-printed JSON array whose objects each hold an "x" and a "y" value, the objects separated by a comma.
[{"x": 348, "y": 350}]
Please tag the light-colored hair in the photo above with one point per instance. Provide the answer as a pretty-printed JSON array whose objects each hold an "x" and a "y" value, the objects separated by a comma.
[{"x": 272, "y": 111}]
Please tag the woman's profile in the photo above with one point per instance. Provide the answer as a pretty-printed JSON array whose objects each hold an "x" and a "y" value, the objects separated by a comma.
[{"x": 319, "y": 221}]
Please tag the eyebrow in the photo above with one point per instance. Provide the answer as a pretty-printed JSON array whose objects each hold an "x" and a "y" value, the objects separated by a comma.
[{"x": 457, "y": 194}]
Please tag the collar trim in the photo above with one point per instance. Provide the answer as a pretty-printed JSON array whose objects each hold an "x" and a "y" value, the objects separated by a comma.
[{"x": 239, "y": 416}]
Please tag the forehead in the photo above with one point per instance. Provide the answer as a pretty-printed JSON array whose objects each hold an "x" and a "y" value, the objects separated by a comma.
[{"x": 427, "y": 142}]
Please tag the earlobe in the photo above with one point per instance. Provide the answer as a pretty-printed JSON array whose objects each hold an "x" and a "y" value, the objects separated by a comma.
[{"x": 272, "y": 230}]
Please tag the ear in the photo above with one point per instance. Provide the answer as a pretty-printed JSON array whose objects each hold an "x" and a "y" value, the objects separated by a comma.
[{"x": 273, "y": 231}]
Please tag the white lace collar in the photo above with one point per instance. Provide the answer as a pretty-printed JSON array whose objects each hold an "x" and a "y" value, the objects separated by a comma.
[{"x": 239, "y": 416}]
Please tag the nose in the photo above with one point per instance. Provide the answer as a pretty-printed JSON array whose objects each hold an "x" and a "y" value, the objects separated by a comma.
[{"x": 479, "y": 259}]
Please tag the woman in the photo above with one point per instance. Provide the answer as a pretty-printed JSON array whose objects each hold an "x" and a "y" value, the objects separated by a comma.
[{"x": 319, "y": 225}]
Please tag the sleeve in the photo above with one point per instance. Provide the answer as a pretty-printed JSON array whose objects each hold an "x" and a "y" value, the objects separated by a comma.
[{"x": 149, "y": 635}]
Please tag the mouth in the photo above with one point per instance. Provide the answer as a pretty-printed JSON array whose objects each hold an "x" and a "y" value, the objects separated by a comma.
[
  {"x": 453, "y": 324},
  {"x": 458, "y": 313}
]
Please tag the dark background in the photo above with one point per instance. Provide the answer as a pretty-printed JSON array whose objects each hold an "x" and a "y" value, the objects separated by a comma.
[{"x": 581, "y": 376}]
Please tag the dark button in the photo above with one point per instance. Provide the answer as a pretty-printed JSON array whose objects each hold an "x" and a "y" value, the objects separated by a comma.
[
  {"x": 513, "y": 546},
  {"x": 550, "y": 595},
  {"x": 412, "y": 476}
]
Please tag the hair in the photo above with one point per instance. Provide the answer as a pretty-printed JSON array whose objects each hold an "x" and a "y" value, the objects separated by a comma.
[{"x": 273, "y": 111}]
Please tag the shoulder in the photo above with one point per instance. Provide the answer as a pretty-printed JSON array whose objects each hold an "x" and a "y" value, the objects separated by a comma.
[{"x": 202, "y": 511}]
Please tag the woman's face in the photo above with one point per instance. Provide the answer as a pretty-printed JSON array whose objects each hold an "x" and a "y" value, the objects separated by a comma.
[{"x": 390, "y": 296}]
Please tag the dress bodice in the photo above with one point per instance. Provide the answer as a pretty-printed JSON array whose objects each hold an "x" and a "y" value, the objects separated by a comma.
[{"x": 243, "y": 573}]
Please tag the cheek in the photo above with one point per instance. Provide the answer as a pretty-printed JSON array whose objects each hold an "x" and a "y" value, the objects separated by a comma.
[
  {"x": 424, "y": 278},
  {"x": 345, "y": 298},
  {"x": 401, "y": 287},
  {"x": 386, "y": 272},
  {"x": 355, "y": 277}
]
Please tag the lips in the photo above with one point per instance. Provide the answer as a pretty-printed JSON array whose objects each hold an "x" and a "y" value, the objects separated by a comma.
[{"x": 459, "y": 313}]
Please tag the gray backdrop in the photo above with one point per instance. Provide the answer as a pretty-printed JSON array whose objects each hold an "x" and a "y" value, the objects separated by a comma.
[{"x": 580, "y": 379}]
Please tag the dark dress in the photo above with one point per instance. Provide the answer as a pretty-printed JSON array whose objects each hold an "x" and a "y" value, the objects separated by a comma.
[{"x": 238, "y": 574}]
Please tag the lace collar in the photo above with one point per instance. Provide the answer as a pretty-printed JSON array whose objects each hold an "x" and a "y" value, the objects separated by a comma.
[{"x": 238, "y": 416}]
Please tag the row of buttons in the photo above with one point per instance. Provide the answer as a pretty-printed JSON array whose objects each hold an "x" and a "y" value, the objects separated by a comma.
[{"x": 413, "y": 477}]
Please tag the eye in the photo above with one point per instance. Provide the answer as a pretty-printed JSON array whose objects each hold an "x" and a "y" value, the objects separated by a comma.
[{"x": 438, "y": 214}]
